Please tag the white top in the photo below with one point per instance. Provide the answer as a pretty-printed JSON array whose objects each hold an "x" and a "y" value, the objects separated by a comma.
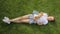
[{"x": 43, "y": 19}]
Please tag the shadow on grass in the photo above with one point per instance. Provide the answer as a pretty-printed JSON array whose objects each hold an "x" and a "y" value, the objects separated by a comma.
[{"x": 32, "y": 28}]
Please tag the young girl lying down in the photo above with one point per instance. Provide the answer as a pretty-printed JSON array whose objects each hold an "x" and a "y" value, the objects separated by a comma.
[{"x": 36, "y": 18}]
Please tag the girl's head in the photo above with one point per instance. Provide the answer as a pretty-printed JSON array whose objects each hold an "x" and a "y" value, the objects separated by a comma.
[{"x": 51, "y": 18}]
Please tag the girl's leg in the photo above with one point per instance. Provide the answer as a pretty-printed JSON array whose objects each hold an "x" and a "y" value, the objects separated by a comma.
[
  {"x": 21, "y": 21},
  {"x": 17, "y": 20},
  {"x": 20, "y": 18}
]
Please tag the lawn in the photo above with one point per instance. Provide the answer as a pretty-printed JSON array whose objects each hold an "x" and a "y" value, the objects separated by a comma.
[{"x": 15, "y": 8}]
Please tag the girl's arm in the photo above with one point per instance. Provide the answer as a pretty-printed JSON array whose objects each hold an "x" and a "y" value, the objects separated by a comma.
[{"x": 40, "y": 23}]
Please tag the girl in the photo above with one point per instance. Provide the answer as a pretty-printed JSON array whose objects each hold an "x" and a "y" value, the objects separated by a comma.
[{"x": 36, "y": 18}]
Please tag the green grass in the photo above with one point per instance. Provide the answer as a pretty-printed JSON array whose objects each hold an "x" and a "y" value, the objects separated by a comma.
[{"x": 15, "y": 8}]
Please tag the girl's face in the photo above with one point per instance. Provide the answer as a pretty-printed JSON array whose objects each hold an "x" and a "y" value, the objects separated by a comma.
[{"x": 50, "y": 18}]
